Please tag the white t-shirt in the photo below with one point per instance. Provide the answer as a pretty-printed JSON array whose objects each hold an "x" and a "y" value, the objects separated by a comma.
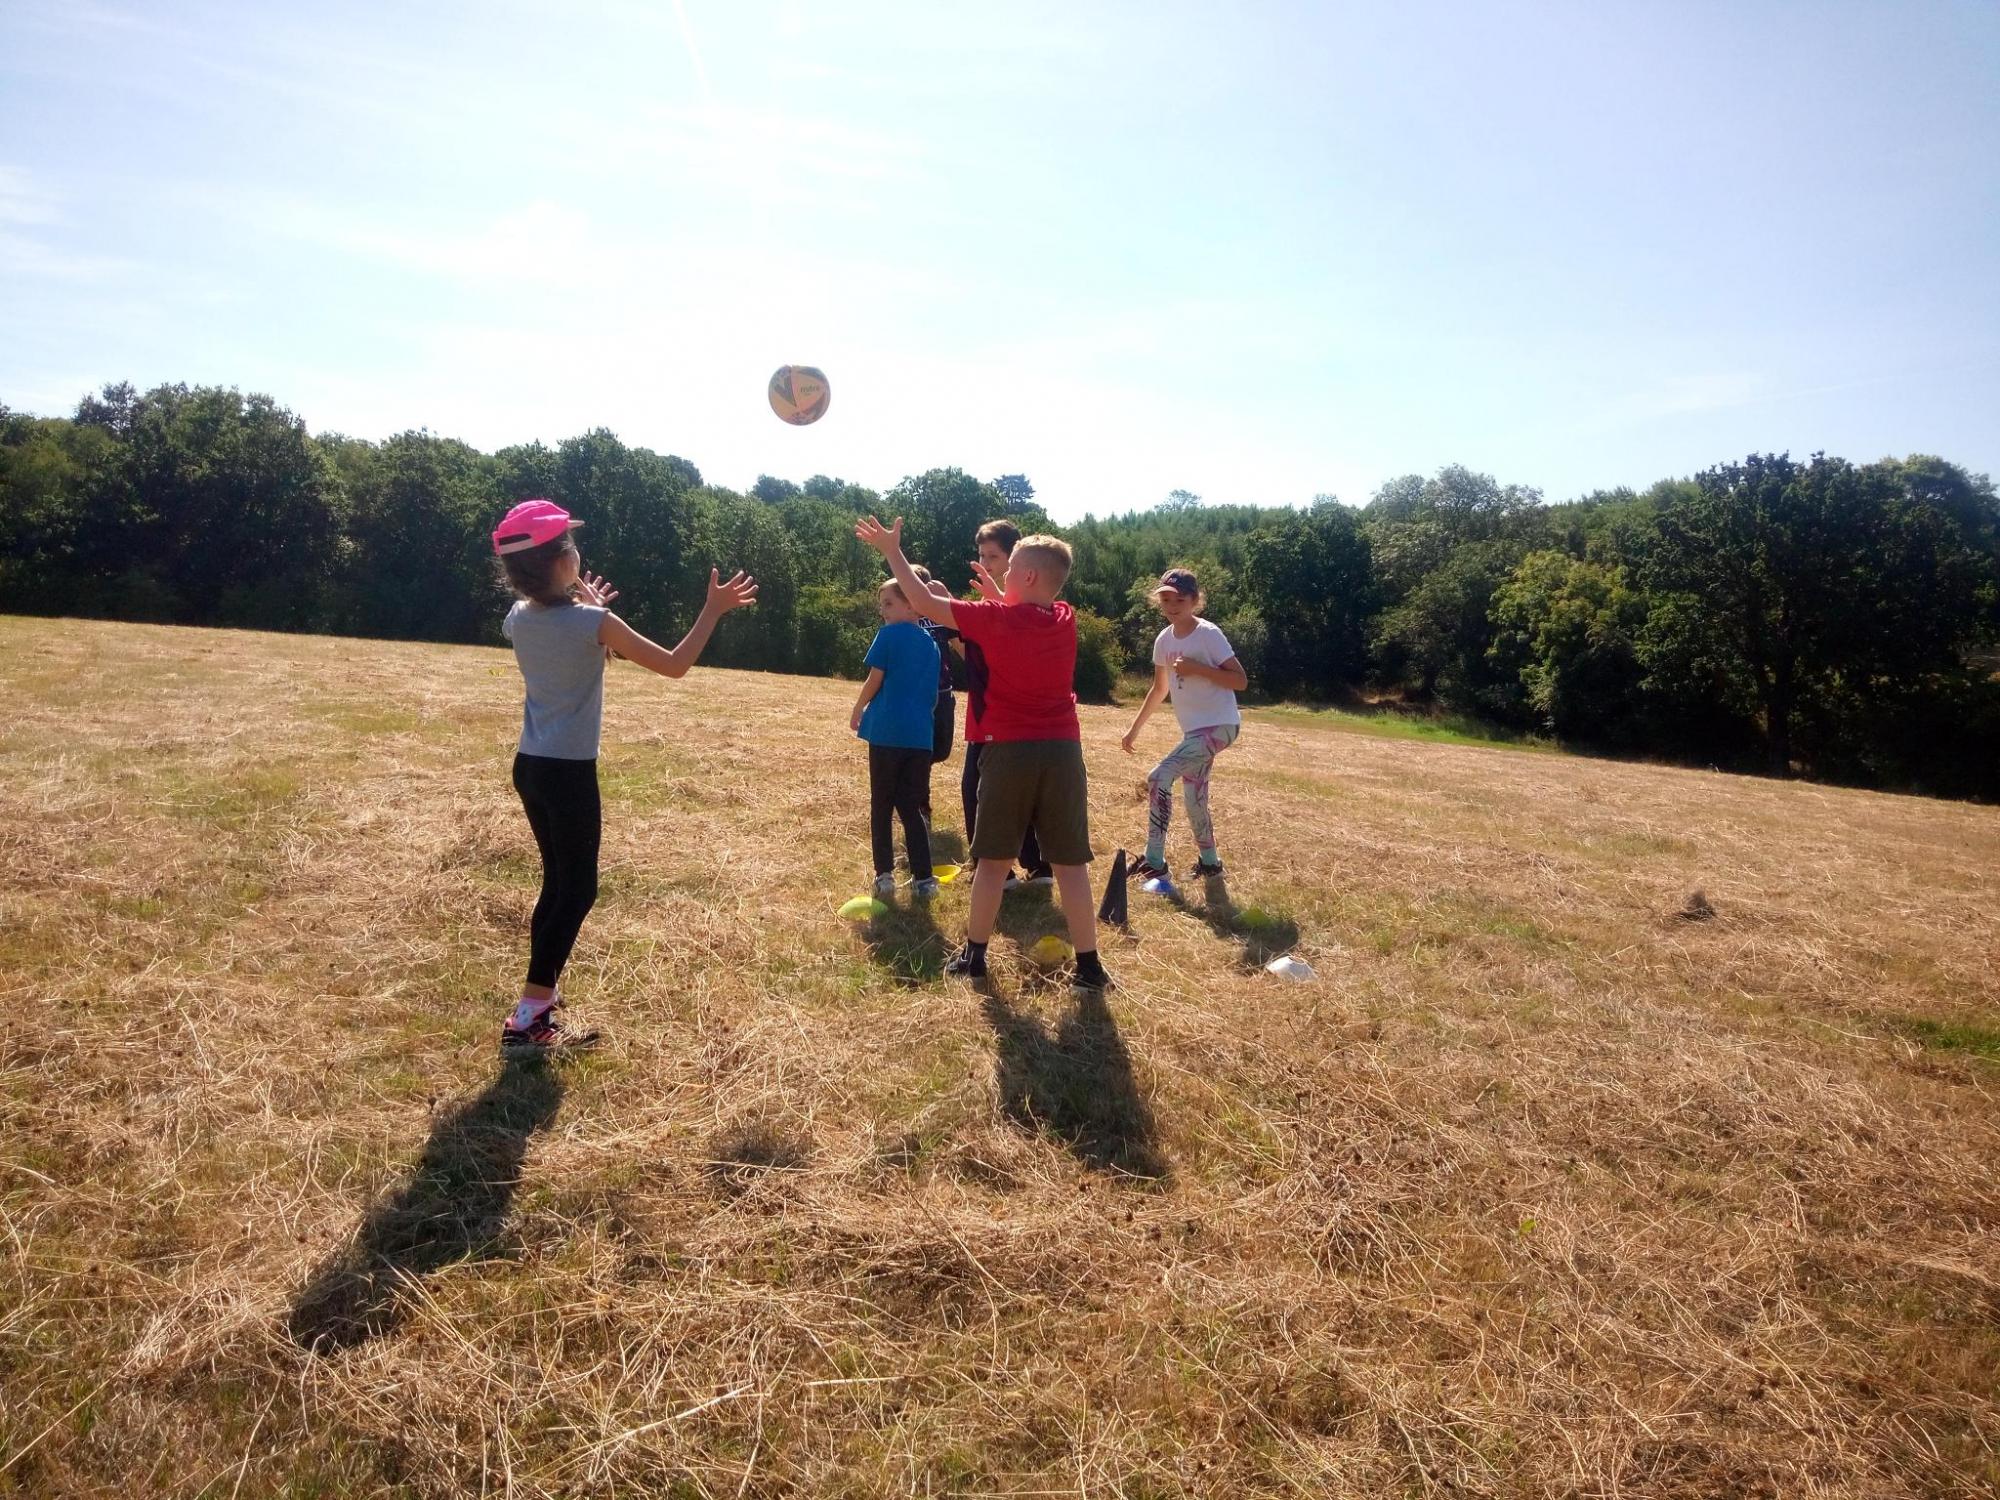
[{"x": 1198, "y": 703}]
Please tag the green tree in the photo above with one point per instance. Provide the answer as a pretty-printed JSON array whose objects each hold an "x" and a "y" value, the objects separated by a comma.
[
  {"x": 835, "y": 626},
  {"x": 526, "y": 471},
  {"x": 1414, "y": 524},
  {"x": 1842, "y": 619},
  {"x": 420, "y": 562},
  {"x": 1015, "y": 490},
  {"x": 748, "y": 534},
  {"x": 65, "y": 513},
  {"x": 941, "y": 509},
  {"x": 1789, "y": 587},
  {"x": 1440, "y": 549},
  {"x": 1097, "y": 657},
  {"x": 643, "y": 528},
  {"x": 234, "y": 510},
  {"x": 1567, "y": 630},
  {"x": 1312, "y": 580},
  {"x": 1437, "y": 638},
  {"x": 822, "y": 532}
]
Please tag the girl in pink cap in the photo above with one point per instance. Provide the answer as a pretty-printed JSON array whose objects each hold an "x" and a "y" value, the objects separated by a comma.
[{"x": 562, "y": 634}]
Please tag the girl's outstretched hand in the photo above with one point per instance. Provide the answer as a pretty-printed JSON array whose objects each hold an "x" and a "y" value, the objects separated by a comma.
[
  {"x": 884, "y": 539},
  {"x": 596, "y": 589},
  {"x": 739, "y": 591}
]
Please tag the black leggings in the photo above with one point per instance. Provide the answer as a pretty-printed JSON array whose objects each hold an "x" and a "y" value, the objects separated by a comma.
[
  {"x": 968, "y": 790},
  {"x": 560, "y": 797},
  {"x": 897, "y": 781}
]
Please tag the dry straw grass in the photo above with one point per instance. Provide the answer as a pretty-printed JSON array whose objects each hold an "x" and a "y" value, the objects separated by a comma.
[{"x": 1540, "y": 1189}]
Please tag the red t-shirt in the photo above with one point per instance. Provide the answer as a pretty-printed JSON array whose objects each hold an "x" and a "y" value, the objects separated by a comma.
[{"x": 1020, "y": 667}]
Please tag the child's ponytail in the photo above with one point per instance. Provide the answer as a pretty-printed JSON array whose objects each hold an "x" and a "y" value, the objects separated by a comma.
[{"x": 531, "y": 573}]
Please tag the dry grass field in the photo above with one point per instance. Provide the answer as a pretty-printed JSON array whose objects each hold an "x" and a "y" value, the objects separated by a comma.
[{"x": 1541, "y": 1188}]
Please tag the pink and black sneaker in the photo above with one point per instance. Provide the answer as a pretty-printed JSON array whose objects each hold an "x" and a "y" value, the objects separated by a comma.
[{"x": 544, "y": 1036}]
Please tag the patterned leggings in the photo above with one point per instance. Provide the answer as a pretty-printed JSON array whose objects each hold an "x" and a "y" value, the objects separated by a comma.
[{"x": 1190, "y": 761}]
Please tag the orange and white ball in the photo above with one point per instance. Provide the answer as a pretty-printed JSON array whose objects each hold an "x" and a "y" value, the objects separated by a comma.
[{"x": 799, "y": 394}]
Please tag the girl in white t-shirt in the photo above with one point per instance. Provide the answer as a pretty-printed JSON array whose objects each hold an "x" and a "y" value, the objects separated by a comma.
[{"x": 1192, "y": 661}]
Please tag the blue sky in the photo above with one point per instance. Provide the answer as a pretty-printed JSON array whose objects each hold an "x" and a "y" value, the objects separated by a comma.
[{"x": 1260, "y": 252}]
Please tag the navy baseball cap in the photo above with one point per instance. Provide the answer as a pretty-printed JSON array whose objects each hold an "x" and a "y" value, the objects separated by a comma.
[{"x": 1179, "y": 581}]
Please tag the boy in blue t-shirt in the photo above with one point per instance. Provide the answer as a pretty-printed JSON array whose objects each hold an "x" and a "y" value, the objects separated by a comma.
[{"x": 893, "y": 714}]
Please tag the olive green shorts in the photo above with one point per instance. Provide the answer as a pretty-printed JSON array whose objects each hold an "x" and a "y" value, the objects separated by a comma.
[{"x": 1037, "y": 784}]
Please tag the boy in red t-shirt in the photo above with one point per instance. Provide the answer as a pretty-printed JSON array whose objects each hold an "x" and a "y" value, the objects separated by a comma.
[{"x": 1031, "y": 767}]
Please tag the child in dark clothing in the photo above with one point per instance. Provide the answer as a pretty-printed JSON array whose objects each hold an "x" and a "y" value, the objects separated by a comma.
[
  {"x": 893, "y": 714},
  {"x": 945, "y": 715}
]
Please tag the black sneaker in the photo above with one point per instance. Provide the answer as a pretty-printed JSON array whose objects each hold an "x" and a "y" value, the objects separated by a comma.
[
  {"x": 965, "y": 964},
  {"x": 544, "y": 1036},
  {"x": 1013, "y": 880},
  {"x": 1095, "y": 984},
  {"x": 1040, "y": 875},
  {"x": 1203, "y": 870}
]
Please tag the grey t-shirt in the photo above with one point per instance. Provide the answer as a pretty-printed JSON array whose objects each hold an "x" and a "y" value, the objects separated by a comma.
[{"x": 563, "y": 666}]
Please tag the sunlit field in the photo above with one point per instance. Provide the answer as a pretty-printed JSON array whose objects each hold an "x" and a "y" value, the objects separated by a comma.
[{"x": 1556, "y": 1180}]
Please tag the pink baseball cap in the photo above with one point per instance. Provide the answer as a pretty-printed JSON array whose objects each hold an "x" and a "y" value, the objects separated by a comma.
[{"x": 530, "y": 524}]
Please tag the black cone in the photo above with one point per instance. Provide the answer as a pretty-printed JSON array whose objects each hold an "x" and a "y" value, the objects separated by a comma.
[{"x": 1113, "y": 909}]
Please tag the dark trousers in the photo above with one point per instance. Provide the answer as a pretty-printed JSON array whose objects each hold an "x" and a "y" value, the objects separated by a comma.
[
  {"x": 897, "y": 782},
  {"x": 944, "y": 718},
  {"x": 560, "y": 798},
  {"x": 968, "y": 791}
]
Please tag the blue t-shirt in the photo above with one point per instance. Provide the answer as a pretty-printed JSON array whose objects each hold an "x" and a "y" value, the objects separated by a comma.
[{"x": 899, "y": 715}]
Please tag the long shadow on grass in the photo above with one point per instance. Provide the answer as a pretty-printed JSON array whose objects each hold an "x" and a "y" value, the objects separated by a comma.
[
  {"x": 905, "y": 940},
  {"x": 1028, "y": 913},
  {"x": 1264, "y": 934},
  {"x": 1076, "y": 1084},
  {"x": 453, "y": 1206}
]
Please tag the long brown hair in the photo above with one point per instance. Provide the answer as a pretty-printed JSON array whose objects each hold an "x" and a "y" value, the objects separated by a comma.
[{"x": 531, "y": 573}]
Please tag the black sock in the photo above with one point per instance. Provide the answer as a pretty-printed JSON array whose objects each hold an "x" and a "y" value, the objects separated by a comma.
[
  {"x": 977, "y": 950},
  {"x": 1088, "y": 968}
]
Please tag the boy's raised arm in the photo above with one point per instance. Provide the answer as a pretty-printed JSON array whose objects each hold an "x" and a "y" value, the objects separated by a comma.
[{"x": 888, "y": 540}]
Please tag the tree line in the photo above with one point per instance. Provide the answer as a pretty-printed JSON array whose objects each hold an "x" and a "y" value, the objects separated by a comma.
[{"x": 1814, "y": 617}]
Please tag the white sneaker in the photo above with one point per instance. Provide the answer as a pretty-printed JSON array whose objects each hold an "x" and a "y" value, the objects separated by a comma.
[
  {"x": 926, "y": 889},
  {"x": 885, "y": 885}
]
